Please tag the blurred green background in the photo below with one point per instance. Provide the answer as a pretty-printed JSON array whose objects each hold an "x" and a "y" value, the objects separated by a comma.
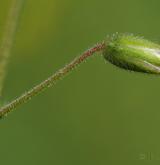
[{"x": 98, "y": 114}]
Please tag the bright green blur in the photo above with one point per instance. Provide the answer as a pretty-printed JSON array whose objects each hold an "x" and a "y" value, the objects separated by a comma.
[
  {"x": 99, "y": 114},
  {"x": 133, "y": 53}
]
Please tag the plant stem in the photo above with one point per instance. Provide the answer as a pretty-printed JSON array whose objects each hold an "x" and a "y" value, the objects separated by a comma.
[
  {"x": 51, "y": 80},
  {"x": 8, "y": 37}
]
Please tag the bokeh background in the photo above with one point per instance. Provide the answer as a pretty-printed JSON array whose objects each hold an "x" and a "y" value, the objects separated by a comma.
[{"x": 98, "y": 114}]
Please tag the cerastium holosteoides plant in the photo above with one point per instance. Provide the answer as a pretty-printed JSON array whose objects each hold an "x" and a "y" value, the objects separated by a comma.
[
  {"x": 8, "y": 37},
  {"x": 123, "y": 50}
]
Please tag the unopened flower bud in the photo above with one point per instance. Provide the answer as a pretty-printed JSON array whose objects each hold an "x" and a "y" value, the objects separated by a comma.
[{"x": 133, "y": 53}]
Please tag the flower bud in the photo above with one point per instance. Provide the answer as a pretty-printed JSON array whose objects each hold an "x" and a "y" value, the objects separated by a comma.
[{"x": 133, "y": 53}]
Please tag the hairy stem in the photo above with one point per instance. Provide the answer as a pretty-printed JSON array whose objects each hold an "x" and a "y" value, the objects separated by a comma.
[
  {"x": 51, "y": 80},
  {"x": 8, "y": 37}
]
